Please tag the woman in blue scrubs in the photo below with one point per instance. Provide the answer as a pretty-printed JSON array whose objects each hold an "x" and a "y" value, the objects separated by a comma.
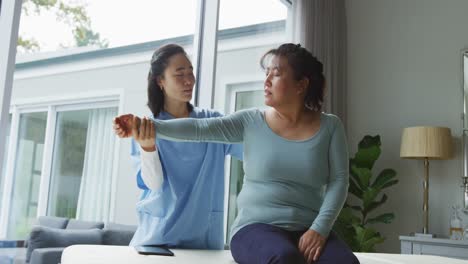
[{"x": 182, "y": 204}]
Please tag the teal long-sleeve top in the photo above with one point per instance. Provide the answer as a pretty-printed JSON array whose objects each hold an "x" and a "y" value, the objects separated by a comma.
[{"x": 292, "y": 184}]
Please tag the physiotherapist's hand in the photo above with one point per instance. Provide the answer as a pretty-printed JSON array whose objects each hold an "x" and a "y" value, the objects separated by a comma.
[
  {"x": 145, "y": 134},
  {"x": 123, "y": 125},
  {"x": 311, "y": 245}
]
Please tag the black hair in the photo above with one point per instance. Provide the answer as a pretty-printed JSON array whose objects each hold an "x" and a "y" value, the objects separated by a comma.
[
  {"x": 159, "y": 63},
  {"x": 304, "y": 65}
]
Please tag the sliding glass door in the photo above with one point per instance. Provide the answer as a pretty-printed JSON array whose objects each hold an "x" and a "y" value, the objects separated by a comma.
[
  {"x": 242, "y": 96},
  {"x": 63, "y": 165},
  {"x": 238, "y": 82},
  {"x": 27, "y": 173},
  {"x": 82, "y": 162}
]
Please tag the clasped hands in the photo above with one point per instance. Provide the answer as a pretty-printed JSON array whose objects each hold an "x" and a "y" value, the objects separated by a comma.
[{"x": 141, "y": 129}]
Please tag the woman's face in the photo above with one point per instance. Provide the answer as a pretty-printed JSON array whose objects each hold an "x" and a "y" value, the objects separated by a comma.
[
  {"x": 178, "y": 79},
  {"x": 281, "y": 89}
]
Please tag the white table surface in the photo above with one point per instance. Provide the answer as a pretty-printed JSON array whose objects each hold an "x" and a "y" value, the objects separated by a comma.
[{"x": 97, "y": 254}]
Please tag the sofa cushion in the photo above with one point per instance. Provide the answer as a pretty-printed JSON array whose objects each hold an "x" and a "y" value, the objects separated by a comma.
[
  {"x": 46, "y": 255},
  {"x": 118, "y": 234},
  {"x": 52, "y": 221},
  {"x": 44, "y": 237},
  {"x": 117, "y": 237},
  {"x": 116, "y": 226},
  {"x": 49, "y": 221},
  {"x": 79, "y": 224}
]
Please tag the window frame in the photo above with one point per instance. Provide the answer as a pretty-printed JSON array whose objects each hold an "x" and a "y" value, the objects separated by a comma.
[
  {"x": 205, "y": 51},
  {"x": 9, "y": 25}
]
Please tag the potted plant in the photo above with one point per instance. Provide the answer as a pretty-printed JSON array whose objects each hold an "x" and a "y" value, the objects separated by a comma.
[{"x": 354, "y": 222}]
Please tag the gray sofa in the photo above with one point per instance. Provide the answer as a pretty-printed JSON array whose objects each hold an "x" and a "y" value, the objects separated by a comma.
[{"x": 51, "y": 235}]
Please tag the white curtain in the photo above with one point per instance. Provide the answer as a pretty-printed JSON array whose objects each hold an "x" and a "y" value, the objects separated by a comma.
[
  {"x": 95, "y": 190},
  {"x": 320, "y": 27}
]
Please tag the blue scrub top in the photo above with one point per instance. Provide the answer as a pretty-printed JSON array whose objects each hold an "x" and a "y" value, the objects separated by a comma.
[{"x": 188, "y": 210}]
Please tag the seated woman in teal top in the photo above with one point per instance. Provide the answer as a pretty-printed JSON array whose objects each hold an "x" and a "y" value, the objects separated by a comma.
[
  {"x": 182, "y": 182},
  {"x": 295, "y": 163}
]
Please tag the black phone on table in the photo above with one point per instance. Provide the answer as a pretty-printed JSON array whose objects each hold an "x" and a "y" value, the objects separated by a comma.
[{"x": 154, "y": 250}]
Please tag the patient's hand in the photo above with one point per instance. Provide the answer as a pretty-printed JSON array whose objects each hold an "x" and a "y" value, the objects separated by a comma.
[
  {"x": 311, "y": 245},
  {"x": 124, "y": 125},
  {"x": 142, "y": 130}
]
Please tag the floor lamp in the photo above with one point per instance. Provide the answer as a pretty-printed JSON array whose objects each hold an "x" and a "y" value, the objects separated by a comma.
[{"x": 426, "y": 143}]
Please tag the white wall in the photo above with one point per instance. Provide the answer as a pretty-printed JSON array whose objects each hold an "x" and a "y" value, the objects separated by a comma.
[{"x": 404, "y": 69}]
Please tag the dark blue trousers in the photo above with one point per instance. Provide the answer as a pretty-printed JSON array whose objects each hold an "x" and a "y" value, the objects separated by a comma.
[{"x": 268, "y": 244}]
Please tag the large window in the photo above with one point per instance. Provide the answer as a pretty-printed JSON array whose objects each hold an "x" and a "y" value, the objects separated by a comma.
[
  {"x": 100, "y": 24},
  {"x": 239, "y": 78},
  {"x": 27, "y": 173},
  {"x": 73, "y": 60},
  {"x": 67, "y": 162},
  {"x": 63, "y": 157},
  {"x": 241, "y": 42},
  {"x": 82, "y": 158}
]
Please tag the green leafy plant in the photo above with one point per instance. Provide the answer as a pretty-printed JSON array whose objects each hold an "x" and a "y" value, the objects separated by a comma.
[
  {"x": 354, "y": 222},
  {"x": 71, "y": 13}
]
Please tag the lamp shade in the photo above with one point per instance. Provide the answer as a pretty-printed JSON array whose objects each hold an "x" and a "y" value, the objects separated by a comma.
[{"x": 426, "y": 142}]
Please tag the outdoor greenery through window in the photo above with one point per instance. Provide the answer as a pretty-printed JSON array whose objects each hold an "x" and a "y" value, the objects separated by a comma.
[{"x": 52, "y": 25}]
